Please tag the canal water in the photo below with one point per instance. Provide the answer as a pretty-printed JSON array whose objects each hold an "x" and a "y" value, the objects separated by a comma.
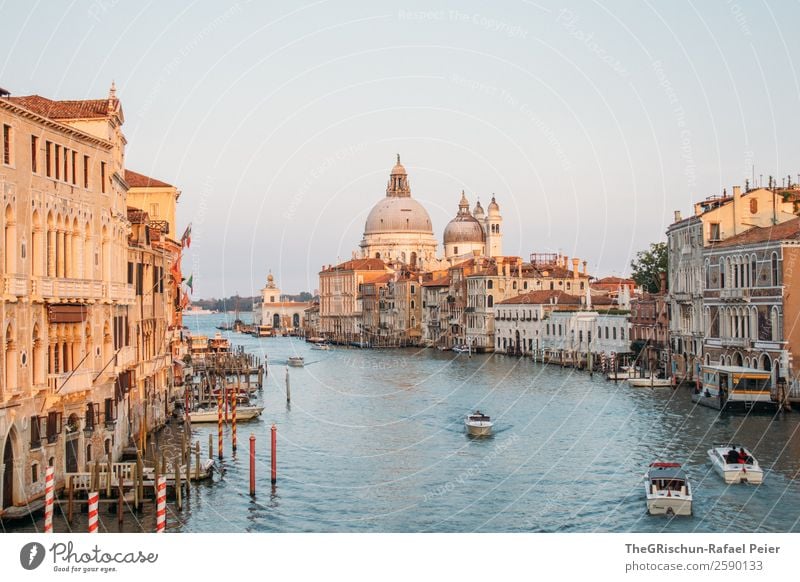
[{"x": 374, "y": 441}]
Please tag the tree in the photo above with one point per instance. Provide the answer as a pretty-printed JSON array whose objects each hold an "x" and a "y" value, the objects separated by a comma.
[{"x": 648, "y": 265}]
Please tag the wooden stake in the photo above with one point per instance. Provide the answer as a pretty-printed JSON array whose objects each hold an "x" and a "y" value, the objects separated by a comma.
[
  {"x": 108, "y": 477},
  {"x": 70, "y": 497},
  {"x": 120, "y": 500},
  {"x": 252, "y": 465},
  {"x": 178, "y": 485},
  {"x": 197, "y": 460},
  {"x": 274, "y": 456}
]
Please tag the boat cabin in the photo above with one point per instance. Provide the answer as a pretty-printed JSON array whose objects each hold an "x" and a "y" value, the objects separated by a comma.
[{"x": 737, "y": 386}]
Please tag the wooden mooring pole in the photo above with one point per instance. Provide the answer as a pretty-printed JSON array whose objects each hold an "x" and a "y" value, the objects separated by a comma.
[
  {"x": 252, "y": 465},
  {"x": 233, "y": 420},
  {"x": 219, "y": 426},
  {"x": 274, "y": 456}
]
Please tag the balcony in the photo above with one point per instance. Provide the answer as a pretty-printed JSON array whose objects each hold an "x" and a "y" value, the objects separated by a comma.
[
  {"x": 62, "y": 289},
  {"x": 125, "y": 359},
  {"x": 70, "y": 383},
  {"x": 15, "y": 285},
  {"x": 121, "y": 292},
  {"x": 735, "y": 342},
  {"x": 734, "y": 294}
]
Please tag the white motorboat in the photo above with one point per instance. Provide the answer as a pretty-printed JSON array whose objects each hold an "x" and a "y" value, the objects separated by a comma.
[
  {"x": 243, "y": 413},
  {"x": 461, "y": 349},
  {"x": 296, "y": 361},
  {"x": 651, "y": 382},
  {"x": 324, "y": 347},
  {"x": 668, "y": 490},
  {"x": 735, "y": 464},
  {"x": 478, "y": 424}
]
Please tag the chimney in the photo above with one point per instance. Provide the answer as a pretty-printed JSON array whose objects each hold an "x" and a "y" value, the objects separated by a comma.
[
  {"x": 566, "y": 262},
  {"x": 677, "y": 216},
  {"x": 584, "y": 268},
  {"x": 575, "y": 262},
  {"x": 737, "y": 191}
]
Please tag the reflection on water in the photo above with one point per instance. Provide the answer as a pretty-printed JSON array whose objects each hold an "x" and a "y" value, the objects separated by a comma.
[{"x": 375, "y": 441}]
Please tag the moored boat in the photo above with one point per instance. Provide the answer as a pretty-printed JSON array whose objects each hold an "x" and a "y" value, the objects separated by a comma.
[
  {"x": 461, "y": 349},
  {"x": 651, "y": 382},
  {"x": 296, "y": 361},
  {"x": 478, "y": 424},
  {"x": 243, "y": 413},
  {"x": 735, "y": 464},
  {"x": 667, "y": 489}
]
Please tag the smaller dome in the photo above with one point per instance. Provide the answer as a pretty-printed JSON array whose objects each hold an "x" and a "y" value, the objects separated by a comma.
[
  {"x": 270, "y": 278},
  {"x": 494, "y": 208},
  {"x": 478, "y": 212},
  {"x": 464, "y": 228},
  {"x": 399, "y": 168}
]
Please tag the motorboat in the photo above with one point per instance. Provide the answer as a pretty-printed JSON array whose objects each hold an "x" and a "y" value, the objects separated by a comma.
[
  {"x": 243, "y": 413},
  {"x": 478, "y": 424},
  {"x": 735, "y": 464},
  {"x": 651, "y": 382},
  {"x": 296, "y": 361},
  {"x": 622, "y": 374},
  {"x": 667, "y": 489},
  {"x": 324, "y": 347},
  {"x": 462, "y": 349}
]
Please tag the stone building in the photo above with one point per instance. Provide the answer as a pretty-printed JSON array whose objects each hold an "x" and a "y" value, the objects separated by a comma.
[
  {"x": 715, "y": 219},
  {"x": 282, "y": 317},
  {"x": 750, "y": 302}
]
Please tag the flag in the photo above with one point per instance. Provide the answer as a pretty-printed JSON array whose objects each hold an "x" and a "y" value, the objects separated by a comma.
[
  {"x": 175, "y": 269},
  {"x": 185, "y": 301},
  {"x": 190, "y": 283},
  {"x": 186, "y": 239}
]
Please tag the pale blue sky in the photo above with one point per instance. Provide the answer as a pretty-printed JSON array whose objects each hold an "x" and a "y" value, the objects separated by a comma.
[{"x": 280, "y": 121}]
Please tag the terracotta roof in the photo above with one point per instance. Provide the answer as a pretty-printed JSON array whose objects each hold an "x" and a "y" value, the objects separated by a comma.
[
  {"x": 614, "y": 281},
  {"x": 543, "y": 298},
  {"x": 359, "y": 265},
  {"x": 137, "y": 180},
  {"x": 440, "y": 282},
  {"x": 789, "y": 230},
  {"x": 82, "y": 109},
  {"x": 378, "y": 279}
]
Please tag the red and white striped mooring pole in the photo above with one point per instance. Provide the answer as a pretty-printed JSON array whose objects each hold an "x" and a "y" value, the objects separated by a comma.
[
  {"x": 94, "y": 501},
  {"x": 161, "y": 505},
  {"x": 49, "y": 493}
]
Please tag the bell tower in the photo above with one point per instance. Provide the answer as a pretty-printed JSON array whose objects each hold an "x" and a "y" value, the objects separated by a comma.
[{"x": 492, "y": 228}]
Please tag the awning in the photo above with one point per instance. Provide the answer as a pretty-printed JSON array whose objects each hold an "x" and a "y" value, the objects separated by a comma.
[{"x": 67, "y": 313}]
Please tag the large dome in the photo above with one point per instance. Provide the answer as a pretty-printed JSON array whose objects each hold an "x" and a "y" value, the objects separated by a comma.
[{"x": 395, "y": 214}]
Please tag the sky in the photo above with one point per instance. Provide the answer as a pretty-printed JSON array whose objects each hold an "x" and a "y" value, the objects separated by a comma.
[{"x": 591, "y": 122}]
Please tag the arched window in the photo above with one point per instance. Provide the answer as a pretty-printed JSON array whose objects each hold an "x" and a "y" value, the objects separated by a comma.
[
  {"x": 708, "y": 274},
  {"x": 721, "y": 265},
  {"x": 490, "y": 301},
  {"x": 753, "y": 272},
  {"x": 490, "y": 284}
]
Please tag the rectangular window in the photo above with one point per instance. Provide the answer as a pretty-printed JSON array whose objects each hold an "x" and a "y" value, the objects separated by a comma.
[
  {"x": 74, "y": 167},
  {"x": 88, "y": 424},
  {"x": 103, "y": 177},
  {"x": 53, "y": 426},
  {"x": 34, "y": 154},
  {"x": 714, "y": 233},
  {"x": 130, "y": 273},
  {"x": 56, "y": 157},
  {"x": 7, "y": 154},
  {"x": 139, "y": 279},
  {"x": 36, "y": 432},
  {"x": 48, "y": 147},
  {"x": 65, "y": 161},
  {"x": 86, "y": 172},
  {"x": 110, "y": 410}
]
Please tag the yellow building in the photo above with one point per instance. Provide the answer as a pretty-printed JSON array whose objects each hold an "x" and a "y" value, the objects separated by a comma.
[{"x": 158, "y": 199}]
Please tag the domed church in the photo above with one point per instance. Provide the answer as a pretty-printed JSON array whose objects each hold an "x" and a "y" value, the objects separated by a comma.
[
  {"x": 473, "y": 233},
  {"x": 398, "y": 228}
]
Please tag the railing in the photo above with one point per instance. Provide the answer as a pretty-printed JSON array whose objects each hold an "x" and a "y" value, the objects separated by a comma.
[
  {"x": 125, "y": 359},
  {"x": 119, "y": 292},
  {"x": 61, "y": 288},
  {"x": 735, "y": 342},
  {"x": 734, "y": 293},
  {"x": 16, "y": 285},
  {"x": 70, "y": 382}
]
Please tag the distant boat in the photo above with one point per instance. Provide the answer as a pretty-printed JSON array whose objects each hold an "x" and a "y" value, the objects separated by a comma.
[
  {"x": 667, "y": 489},
  {"x": 461, "y": 349},
  {"x": 322, "y": 346},
  {"x": 296, "y": 361},
  {"x": 478, "y": 424},
  {"x": 733, "y": 466},
  {"x": 198, "y": 311}
]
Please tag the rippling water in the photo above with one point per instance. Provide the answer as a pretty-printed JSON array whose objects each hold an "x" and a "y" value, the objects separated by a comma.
[{"x": 374, "y": 441}]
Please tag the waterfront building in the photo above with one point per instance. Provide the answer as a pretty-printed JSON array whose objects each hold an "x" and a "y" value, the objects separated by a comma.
[
  {"x": 372, "y": 297},
  {"x": 398, "y": 228},
  {"x": 434, "y": 299},
  {"x": 65, "y": 229},
  {"x": 340, "y": 309},
  {"x": 555, "y": 326},
  {"x": 715, "y": 219},
  {"x": 311, "y": 320},
  {"x": 148, "y": 337},
  {"x": 650, "y": 329},
  {"x": 751, "y": 304},
  {"x": 155, "y": 197},
  {"x": 282, "y": 317}
]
